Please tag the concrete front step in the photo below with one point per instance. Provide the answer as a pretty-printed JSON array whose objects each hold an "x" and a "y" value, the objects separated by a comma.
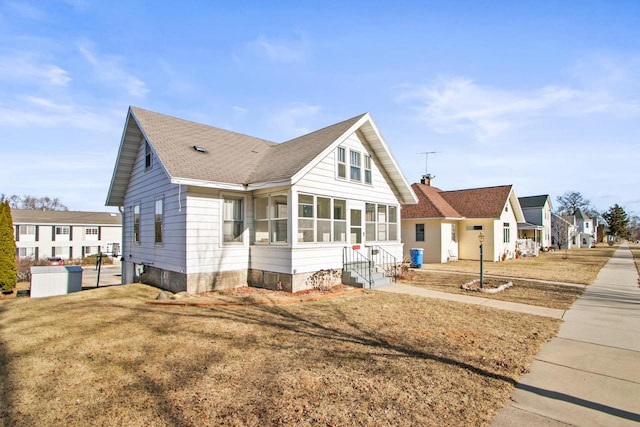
[{"x": 353, "y": 279}]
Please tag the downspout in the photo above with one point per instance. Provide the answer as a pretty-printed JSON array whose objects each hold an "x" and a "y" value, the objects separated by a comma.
[{"x": 121, "y": 209}]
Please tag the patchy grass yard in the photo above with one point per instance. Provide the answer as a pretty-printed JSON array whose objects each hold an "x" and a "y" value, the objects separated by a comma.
[
  {"x": 106, "y": 357},
  {"x": 580, "y": 265},
  {"x": 522, "y": 291}
]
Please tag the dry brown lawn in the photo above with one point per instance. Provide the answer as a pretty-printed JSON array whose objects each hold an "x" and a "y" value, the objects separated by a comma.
[
  {"x": 579, "y": 265},
  {"x": 635, "y": 250},
  {"x": 107, "y": 357},
  {"x": 523, "y": 291},
  {"x": 576, "y": 266}
]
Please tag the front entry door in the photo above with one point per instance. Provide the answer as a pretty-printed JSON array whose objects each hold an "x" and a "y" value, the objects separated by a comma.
[{"x": 355, "y": 232}]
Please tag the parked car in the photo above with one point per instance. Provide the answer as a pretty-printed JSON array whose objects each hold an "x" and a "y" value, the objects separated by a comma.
[{"x": 56, "y": 260}]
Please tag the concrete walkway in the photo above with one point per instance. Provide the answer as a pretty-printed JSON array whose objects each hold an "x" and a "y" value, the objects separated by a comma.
[
  {"x": 398, "y": 288},
  {"x": 589, "y": 375}
]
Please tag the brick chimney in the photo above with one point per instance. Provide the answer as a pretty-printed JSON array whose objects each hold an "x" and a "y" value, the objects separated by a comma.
[{"x": 426, "y": 179}]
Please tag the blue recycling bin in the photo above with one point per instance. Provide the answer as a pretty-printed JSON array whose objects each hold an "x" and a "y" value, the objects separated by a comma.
[{"x": 416, "y": 257}]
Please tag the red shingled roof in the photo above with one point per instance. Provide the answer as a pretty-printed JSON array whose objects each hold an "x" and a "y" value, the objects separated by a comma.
[{"x": 487, "y": 202}]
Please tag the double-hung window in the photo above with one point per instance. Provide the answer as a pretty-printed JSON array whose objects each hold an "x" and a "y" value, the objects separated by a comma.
[
  {"x": 342, "y": 163},
  {"x": 136, "y": 223},
  {"x": 506, "y": 233},
  {"x": 355, "y": 166},
  {"x": 367, "y": 169},
  {"x": 147, "y": 156},
  {"x": 419, "y": 232},
  {"x": 233, "y": 220},
  {"x": 158, "y": 220}
]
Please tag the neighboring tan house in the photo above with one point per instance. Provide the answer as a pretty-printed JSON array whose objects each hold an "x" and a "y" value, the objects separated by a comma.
[
  {"x": 41, "y": 234},
  {"x": 447, "y": 224},
  {"x": 205, "y": 208},
  {"x": 537, "y": 213}
]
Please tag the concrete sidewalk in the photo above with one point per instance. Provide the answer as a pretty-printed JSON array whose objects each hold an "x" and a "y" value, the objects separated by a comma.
[{"x": 589, "y": 375}]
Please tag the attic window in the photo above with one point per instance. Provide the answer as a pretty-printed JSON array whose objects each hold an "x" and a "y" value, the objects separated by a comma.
[{"x": 199, "y": 149}]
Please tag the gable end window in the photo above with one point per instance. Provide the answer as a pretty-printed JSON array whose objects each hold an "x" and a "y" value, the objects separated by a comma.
[
  {"x": 147, "y": 156},
  {"x": 342, "y": 163},
  {"x": 506, "y": 233},
  {"x": 355, "y": 166},
  {"x": 367, "y": 169}
]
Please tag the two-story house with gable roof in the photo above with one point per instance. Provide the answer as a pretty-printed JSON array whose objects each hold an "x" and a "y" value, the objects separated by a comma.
[
  {"x": 537, "y": 213},
  {"x": 205, "y": 208}
]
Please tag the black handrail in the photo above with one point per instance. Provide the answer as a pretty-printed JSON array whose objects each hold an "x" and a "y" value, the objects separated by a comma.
[
  {"x": 385, "y": 260},
  {"x": 353, "y": 260}
]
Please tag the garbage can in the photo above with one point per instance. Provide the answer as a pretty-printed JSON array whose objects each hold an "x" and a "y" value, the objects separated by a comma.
[{"x": 416, "y": 257}]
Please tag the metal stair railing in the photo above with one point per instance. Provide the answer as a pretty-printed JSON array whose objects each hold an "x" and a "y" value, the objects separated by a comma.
[
  {"x": 359, "y": 264},
  {"x": 385, "y": 260}
]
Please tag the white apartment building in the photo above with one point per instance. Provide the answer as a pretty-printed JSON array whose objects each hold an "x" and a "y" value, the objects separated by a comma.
[{"x": 66, "y": 234}]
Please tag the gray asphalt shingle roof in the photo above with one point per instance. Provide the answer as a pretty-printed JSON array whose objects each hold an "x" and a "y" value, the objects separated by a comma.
[
  {"x": 228, "y": 159},
  {"x": 32, "y": 216}
]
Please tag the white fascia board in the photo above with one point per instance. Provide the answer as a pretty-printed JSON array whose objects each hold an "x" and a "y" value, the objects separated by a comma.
[
  {"x": 208, "y": 184},
  {"x": 412, "y": 198},
  {"x": 262, "y": 185},
  {"x": 116, "y": 167}
]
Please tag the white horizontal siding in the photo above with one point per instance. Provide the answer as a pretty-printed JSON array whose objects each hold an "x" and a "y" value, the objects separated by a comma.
[
  {"x": 206, "y": 250},
  {"x": 271, "y": 258},
  {"x": 145, "y": 187},
  {"x": 322, "y": 179}
]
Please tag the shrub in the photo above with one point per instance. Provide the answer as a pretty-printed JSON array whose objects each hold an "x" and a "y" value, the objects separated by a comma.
[{"x": 8, "y": 268}]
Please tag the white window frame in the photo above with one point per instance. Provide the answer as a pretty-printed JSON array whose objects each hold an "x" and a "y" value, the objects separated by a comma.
[
  {"x": 158, "y": 225},
  {"x": 368, "y": 177},
  {"x": 136, "y": 223},
  {"x": 148, "y": 156},
  {"x": 237, "y": 217},
  {"x": 341, "y": 160},
  {"x": 274, "y": 220},
  {"x": 355, "y": 169}
]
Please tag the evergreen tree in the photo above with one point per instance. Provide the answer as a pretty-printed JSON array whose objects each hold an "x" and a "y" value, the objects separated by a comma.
[
  {"x": 617, "y": 220},
  {"x": 8, "y": 266}
]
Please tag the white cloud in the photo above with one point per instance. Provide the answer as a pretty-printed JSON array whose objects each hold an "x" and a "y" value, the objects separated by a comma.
[
  {"x": 459, "y": 105},
  {"x": 28, "y": 67},
  {"x": 289, "y": 119},
  {"x": 110, "y": 69},
  {"x": 36, "y": 112},
  {"x": 276, "y": 50}
]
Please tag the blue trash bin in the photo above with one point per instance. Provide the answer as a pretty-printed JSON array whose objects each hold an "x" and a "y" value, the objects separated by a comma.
[{"x": 416, "y": 257}]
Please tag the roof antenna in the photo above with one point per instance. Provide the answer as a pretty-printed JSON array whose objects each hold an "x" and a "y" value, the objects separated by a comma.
[{"x": 427, "y": 175}]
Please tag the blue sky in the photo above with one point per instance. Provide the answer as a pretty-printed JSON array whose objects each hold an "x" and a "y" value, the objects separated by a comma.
[{"x": 544, "y": 95}]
